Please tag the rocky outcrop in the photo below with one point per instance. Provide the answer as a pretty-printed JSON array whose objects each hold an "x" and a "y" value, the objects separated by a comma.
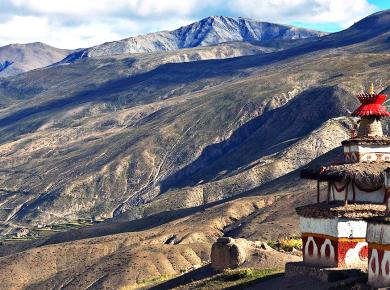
[
  {"x": 230, "y": 253},
  {"x": 227, "y": 254}
]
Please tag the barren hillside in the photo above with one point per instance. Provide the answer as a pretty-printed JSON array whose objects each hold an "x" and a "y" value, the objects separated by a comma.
[
  {"x": 176, "y": 154},
  {"x": 19, "y": 58},
  {"x": 102, "y": 137}
]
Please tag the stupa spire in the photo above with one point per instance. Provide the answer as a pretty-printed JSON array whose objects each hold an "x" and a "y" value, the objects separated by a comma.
[
  {"x": 370, "y": 111},
  {"x": 372, "y": 92}
]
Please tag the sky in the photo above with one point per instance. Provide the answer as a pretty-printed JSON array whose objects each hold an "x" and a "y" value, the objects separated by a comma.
[{"x": 84, "y": 23}]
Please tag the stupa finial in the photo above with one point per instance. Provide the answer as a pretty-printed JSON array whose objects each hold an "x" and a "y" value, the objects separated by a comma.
[{"x": 372, "y": 92}]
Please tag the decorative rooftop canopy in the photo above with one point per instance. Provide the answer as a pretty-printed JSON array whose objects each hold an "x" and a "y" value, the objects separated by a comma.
[
  {"x": 372, "y": 105},
  {"x": 339, "y": 209},
  {"x": 364, "y": 173}
]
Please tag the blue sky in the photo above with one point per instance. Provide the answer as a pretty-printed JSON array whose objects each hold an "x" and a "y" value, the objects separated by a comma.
[
  {"x": 83, "y": 23},
  {"x": 333, "y": 27},
  {"x": 381, "y": 4}
]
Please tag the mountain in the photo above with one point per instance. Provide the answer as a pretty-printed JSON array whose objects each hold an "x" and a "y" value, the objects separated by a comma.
[
  {"x": 208, "y": 31},
  {"x": 110, "y": 135},
  {"x": 173, "y": 154},
  {"x": 18, "y": 58}
]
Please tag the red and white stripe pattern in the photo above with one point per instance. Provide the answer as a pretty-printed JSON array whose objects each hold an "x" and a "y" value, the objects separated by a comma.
[
  {"x": 354, "y": 157},
  {"x": 362, "y": 152},
  {"x": 378, "y": 238},
  {"x": 379, "y": 265},
  {"x": 322, "y": 250},
  {"x": 334, "y": 242}
]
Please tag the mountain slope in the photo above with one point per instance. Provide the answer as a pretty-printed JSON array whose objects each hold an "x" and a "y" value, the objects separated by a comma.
[
  {"x": 124, "y": 259},
  {"x": 208, "y": 31},
  {"x": 114, "y": 255},
  {"x": 179, "y": 153},
  {"x": 103, "y": 136},
  {"x": 18, "y": 58}
]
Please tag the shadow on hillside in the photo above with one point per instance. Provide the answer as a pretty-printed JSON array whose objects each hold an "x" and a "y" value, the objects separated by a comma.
[
  {"x": 190, "y": 277},
  {"x": 199, "y": 278},
  {"x": 114, "y": 227},
  {"x": 265, "y": 135}
]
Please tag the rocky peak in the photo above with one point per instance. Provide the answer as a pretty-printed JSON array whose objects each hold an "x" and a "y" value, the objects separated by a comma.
[{"x": 208, "y": 31}]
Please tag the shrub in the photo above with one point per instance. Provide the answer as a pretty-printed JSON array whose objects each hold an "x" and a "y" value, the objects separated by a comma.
[{"x": 287, "y": 245}]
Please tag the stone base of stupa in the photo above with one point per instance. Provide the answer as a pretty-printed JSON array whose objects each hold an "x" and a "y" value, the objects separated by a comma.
[
  {"x": 334, "y": 235},
  {"x": 330, "y": 251},
  {"x": 325, "y": 274},
  {"x": 378, "y": 238}
]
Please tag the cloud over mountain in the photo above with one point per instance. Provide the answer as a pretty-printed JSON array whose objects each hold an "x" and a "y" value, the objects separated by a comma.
[{"x": 82, "y": 23}]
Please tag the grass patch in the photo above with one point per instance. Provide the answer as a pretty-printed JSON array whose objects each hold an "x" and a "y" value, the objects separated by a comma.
[
  {"x": 240, "y": 278},
  {"x": 12, "y": 239},
  {"x": 287, "y": 245},
  {"x": 149, "y": 282},
  {"x": 228, "y": 279},
  {"x": 73, "y": 224},
  {"x": 47, "y": 230},
  {"x": 41, "y": 229}
]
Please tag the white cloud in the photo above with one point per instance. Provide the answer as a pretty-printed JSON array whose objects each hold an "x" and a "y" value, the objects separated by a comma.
[
  {"x": 82, "y": 23},
  {"x": 342, "y": 12},
  {"x": 88, "y": 8},
  {"x": 24, "y": 29}
]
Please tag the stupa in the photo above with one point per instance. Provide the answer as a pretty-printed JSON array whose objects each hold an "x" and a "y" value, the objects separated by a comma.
[{"x": 334, "y": 230}]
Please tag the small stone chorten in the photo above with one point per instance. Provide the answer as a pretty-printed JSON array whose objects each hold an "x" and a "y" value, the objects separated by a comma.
[{"x": 334, "y": 231}]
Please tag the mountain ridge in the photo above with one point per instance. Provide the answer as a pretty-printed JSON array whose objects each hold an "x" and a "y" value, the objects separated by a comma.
[
  {"x": 208, "y": 31},
  {"x": 18, "y": 58}
]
